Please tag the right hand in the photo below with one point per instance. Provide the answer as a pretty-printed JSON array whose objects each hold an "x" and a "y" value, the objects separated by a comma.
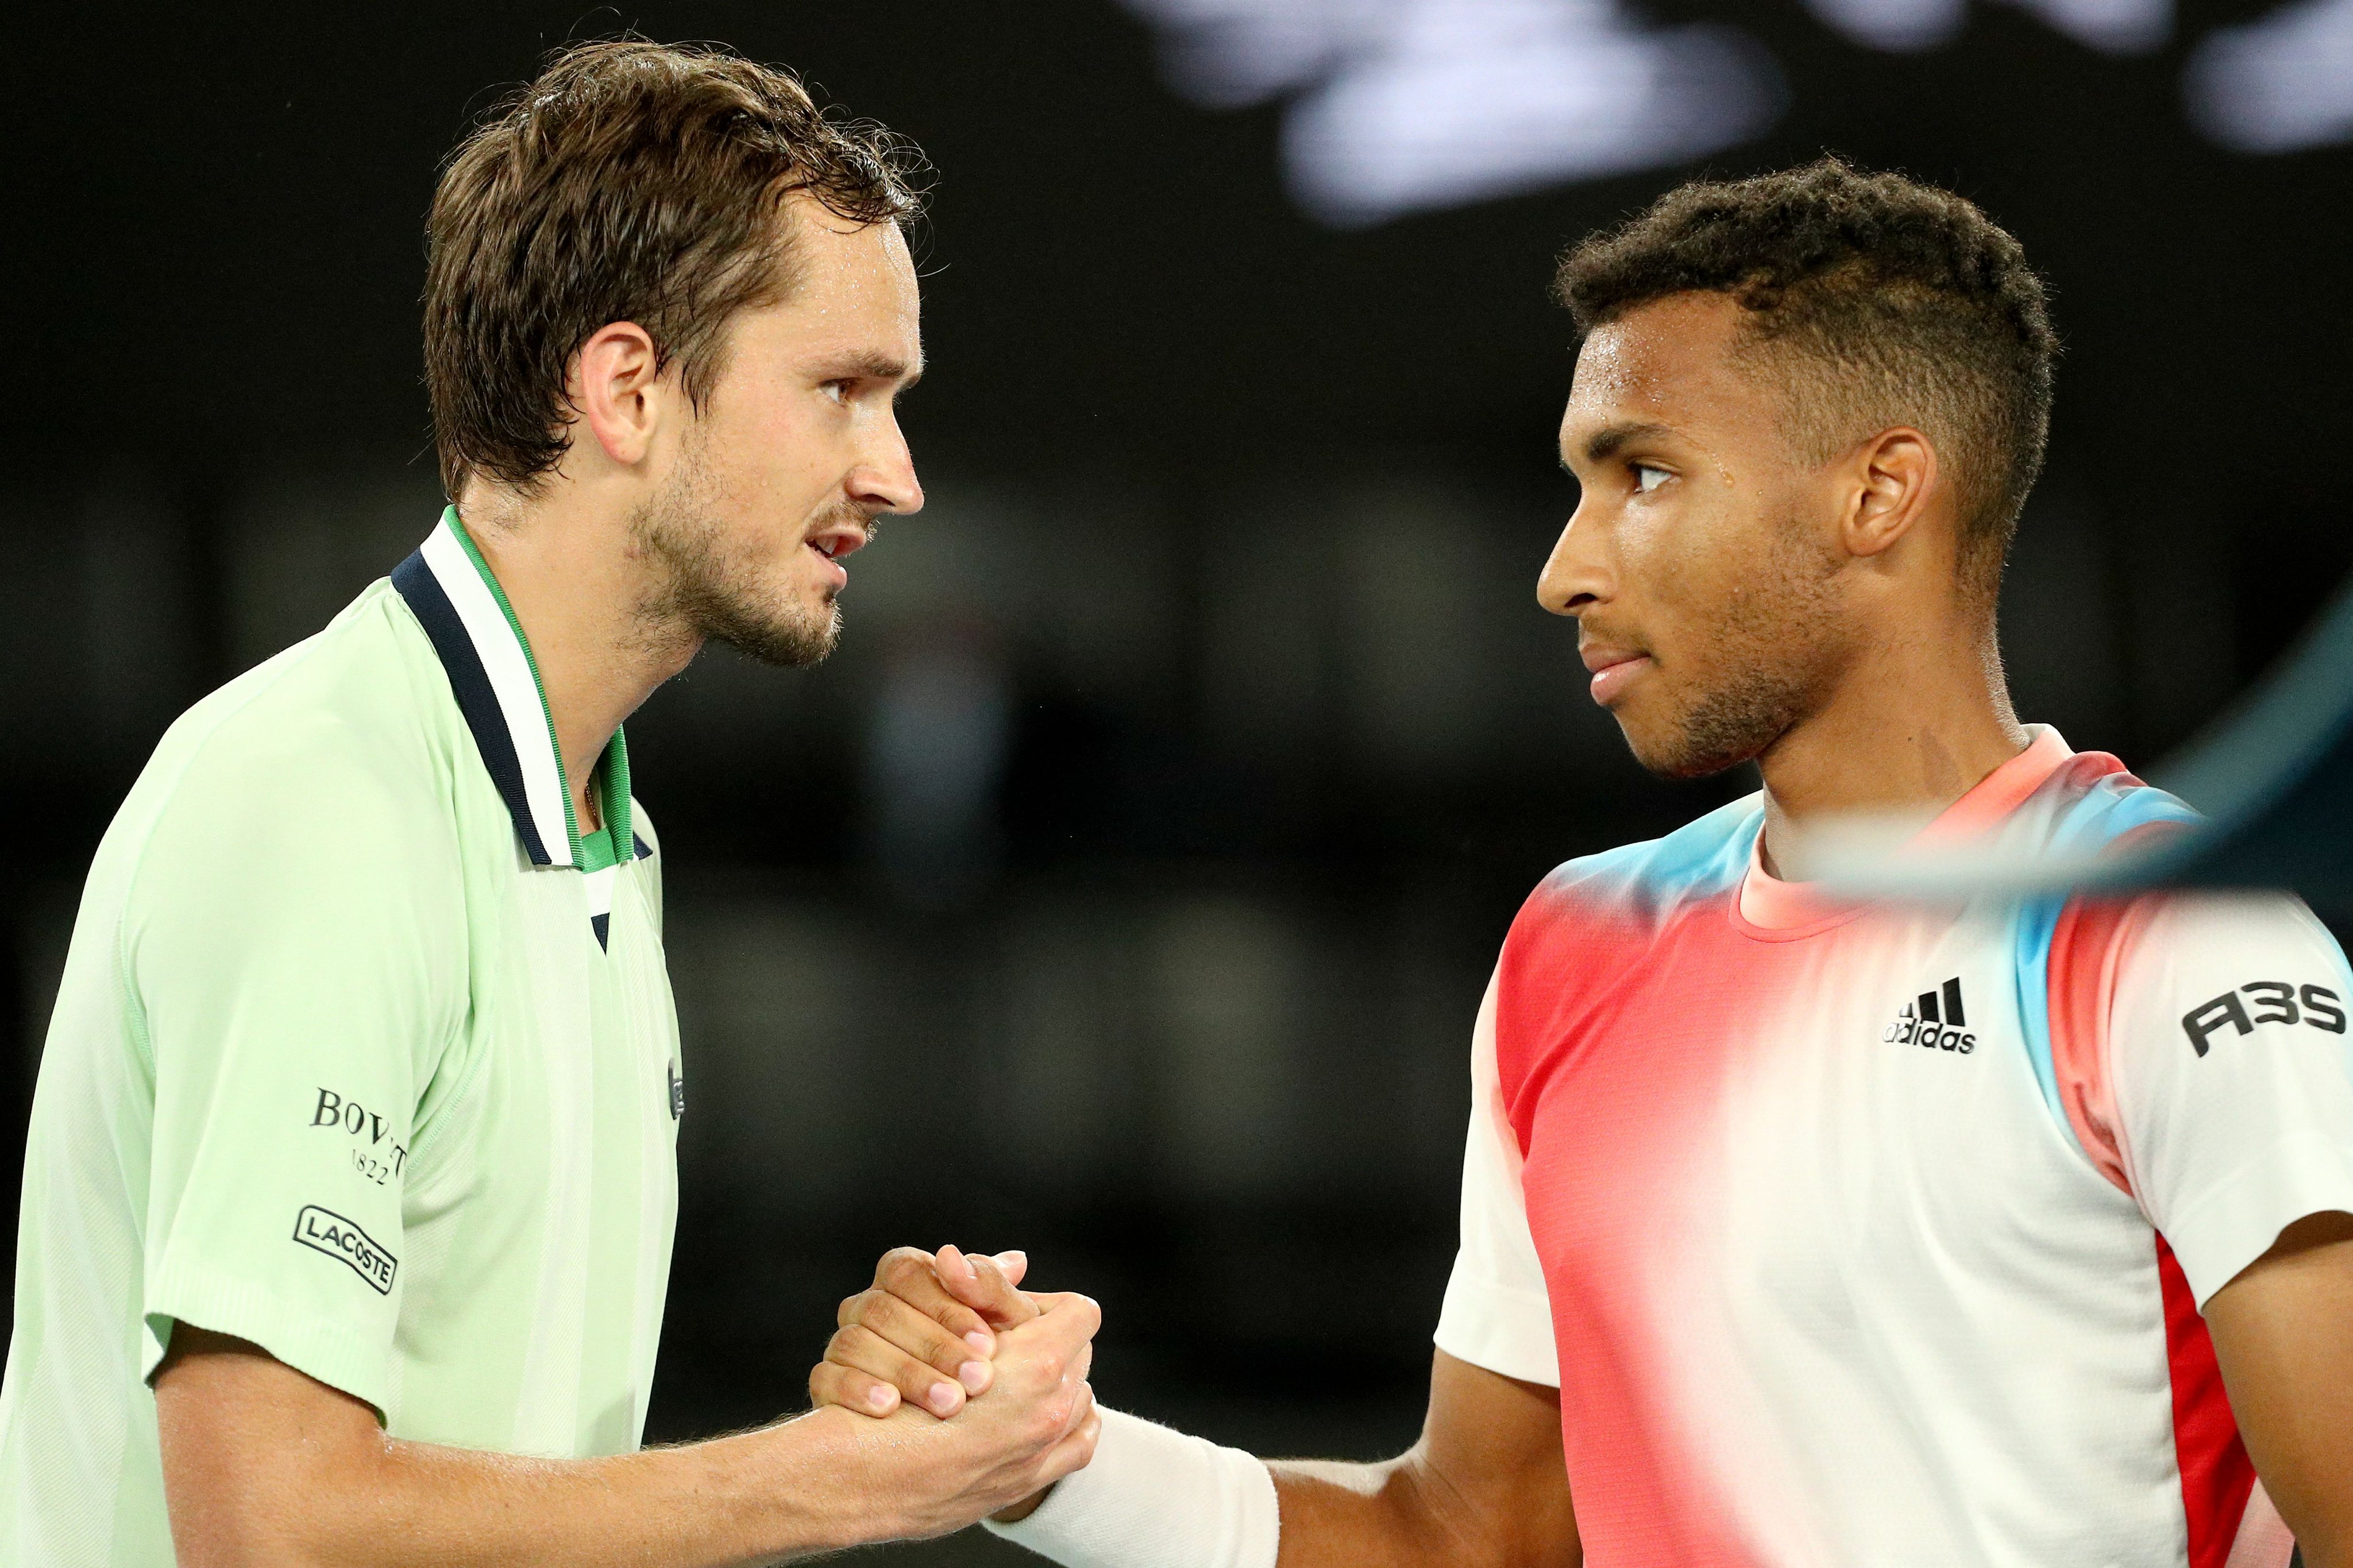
[
  {"x": 925, "y": 1331},
  {"x": 1035, "y": 1423}
]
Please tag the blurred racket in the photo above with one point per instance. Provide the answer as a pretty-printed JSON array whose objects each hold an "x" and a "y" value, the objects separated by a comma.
[{"x": 2273, "y": 777}]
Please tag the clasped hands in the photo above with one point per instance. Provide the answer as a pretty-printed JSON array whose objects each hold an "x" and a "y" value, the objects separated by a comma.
[{"x": 937, "y": 1331}]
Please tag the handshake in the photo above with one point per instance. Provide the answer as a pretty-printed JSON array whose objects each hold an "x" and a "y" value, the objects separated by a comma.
[{"x": 971, "y": 1394}]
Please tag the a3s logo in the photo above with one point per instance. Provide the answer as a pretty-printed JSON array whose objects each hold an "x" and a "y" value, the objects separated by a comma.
[{"x": 2264, "y": 1002}]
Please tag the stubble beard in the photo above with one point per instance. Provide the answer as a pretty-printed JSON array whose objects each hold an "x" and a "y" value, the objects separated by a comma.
[
  {"x": 1778, "y": 651},
  {"x": 707, "y": 593}
]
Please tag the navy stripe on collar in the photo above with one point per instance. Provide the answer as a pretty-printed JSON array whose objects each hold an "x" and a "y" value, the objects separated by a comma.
[{"x": 471, "y": 684}]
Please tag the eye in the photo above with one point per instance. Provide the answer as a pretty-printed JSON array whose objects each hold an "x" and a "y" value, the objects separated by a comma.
[
  {"x": 839, "y": 390},
  {"x": 1648, "y": 479}
]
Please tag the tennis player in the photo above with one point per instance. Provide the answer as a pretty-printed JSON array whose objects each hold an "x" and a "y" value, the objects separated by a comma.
[
  {"x": 1798, "y": 1232},
  {"x": 349, "y": 1198}
]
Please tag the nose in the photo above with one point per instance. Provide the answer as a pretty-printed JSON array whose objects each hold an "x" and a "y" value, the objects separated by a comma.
[
  {"x": 1576, "y": 576},
  {"x": 884, "y": 479}
]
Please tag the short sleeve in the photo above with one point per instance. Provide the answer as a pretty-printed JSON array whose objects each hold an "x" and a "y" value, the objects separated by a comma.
[
  {"x": 2233, "y": 1081},
  {"x": 289, "y": 947},
  {"x": 1496, "y": 1313}
]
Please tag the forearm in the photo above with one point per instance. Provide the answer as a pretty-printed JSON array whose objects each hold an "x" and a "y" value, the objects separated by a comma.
[
  {"x": 1405, "y": 1513},
  {"x": 1185, "y": 1503},
  {"x": 786, "y": 1492},
  {"x": 1365, "y": 1516},
  {"x": 1484, "y": 1489},
  {"x": 264, "y": 1465},
  {"x": 1157, "y": 1498}
]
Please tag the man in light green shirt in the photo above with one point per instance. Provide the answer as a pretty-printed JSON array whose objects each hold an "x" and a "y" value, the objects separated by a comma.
[{"x": 351, "y": 1182}]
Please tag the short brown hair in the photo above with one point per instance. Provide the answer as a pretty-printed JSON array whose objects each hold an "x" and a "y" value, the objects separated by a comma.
[
  {"x": 631, "y": 182},
  {"x": 1903, "y": 305}
]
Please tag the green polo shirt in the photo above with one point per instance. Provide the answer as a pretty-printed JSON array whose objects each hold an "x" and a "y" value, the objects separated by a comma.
[{"x": 363, "y": 1052}]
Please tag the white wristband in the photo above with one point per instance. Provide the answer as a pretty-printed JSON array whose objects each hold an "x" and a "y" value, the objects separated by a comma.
[{"x": 1152, "y": 1498}]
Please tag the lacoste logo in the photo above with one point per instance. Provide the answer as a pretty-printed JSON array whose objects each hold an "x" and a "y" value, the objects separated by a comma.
[
  {"x": 322, "y": 1230},
  {"x": 2273, "y": 1002},
  {"x": 1933, "y": 1020}
]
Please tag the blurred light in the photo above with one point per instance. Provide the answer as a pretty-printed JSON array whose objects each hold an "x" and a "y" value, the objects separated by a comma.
[
  {"x": 2112, "y": 26},
  {"x": 1409, "y": 105},
  {"x": 1229, "y": 53},
  {"x": 1899, "y": 25},
  {"x": 2277, "y": 84}
]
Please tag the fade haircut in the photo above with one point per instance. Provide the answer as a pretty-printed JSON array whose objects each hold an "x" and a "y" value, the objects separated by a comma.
[
  {"x": 1877, "y": 301},
  {"x": 631, "y": 182}
]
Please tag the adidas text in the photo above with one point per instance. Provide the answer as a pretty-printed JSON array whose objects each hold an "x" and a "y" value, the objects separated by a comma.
[{"x": 1934, "y": 1020}]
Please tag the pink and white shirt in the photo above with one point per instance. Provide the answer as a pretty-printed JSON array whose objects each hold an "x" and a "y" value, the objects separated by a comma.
[{"x": 1871, "y": 1235}]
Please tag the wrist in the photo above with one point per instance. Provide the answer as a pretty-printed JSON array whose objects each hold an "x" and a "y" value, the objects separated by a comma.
[
  {"x": 1025, "y": 1508},
  {"x": 817, "y": 1485},
  {"x": 1154, "y": 1498}
]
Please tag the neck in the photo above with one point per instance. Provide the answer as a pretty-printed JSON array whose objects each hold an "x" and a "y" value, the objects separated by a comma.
[
  {"x": 578, "y": 584},
  {"x": 1921, "y": 717}
]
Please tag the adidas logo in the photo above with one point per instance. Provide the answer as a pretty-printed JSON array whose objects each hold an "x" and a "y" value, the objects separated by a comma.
[{"x": 1933, "y": 1020}]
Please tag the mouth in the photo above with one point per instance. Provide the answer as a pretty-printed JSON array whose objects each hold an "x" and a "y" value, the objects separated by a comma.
[
  {"x": 1614, "y": 670},
  {"x": 834, "y": 543}
]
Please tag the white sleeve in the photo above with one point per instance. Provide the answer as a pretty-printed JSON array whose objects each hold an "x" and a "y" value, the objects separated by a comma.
[
  {"x": 1152, "y": 1498},
  {"x": 1497, "y": 1314},
  {"x": 2232, "y": 1078}
]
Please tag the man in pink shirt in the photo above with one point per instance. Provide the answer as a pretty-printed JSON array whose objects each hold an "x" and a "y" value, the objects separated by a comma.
[{"x": 1798, "y": 1229}]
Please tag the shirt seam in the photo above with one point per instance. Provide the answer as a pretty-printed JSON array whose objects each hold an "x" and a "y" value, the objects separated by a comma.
[
  {"x": 1807, "y": 933},
  {"x": 426, "y": 1137}
]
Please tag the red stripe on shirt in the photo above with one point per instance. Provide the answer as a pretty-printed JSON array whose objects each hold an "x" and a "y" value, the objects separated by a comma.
[{"x": 2217, "y": 1477}]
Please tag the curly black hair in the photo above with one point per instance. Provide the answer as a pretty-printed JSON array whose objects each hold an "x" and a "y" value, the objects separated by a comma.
[{"x": 1878, "y": 300}]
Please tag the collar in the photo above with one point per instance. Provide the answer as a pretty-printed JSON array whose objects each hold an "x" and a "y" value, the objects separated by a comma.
[
  {"x": 1783, "y": 908},
  {"x": 451, "y": 591}
]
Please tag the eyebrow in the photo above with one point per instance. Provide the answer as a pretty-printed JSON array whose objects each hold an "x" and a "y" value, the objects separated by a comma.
[
  {"x": 879, "y": 367},
  {"x": 1607, "y": 441}
]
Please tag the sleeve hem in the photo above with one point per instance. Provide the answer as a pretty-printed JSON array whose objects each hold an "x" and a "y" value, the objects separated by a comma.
[
  {"x": 2236, "y": 1220},
  {"x": 1501, "y": 1329},
  {"x": 311, "y": 1346}
]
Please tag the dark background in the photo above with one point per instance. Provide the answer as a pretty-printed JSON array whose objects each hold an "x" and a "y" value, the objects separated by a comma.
[{"x": 1124, "y": 889}]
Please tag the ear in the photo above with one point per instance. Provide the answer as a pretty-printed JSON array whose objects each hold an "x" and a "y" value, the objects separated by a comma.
[
  {"x": 1895, "y": 476},
  {"x": 616, "y": 384}
]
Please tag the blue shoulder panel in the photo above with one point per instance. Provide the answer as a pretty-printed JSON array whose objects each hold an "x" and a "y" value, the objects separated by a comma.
[
  {"x": 2110, "y": 808},
  {"x": 1697, "y": 860}
]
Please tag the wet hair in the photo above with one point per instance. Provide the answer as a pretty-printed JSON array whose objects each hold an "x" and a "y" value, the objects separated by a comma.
[
  {"x": 1877, "y": 301},
  {"x": 631, "y": 182}
]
